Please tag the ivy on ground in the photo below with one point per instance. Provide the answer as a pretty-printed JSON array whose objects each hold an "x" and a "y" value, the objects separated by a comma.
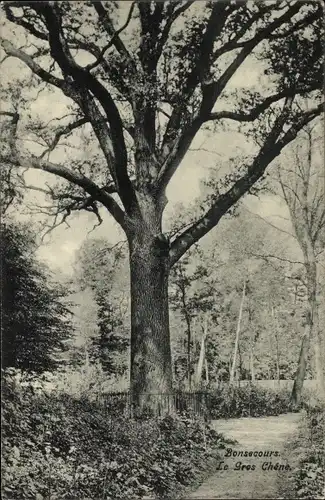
[
  {"x": 61, "y": 447},
  {"x": 306, "y": 453}
]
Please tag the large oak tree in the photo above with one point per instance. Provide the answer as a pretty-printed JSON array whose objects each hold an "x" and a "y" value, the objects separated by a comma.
[{"x": 143, "y": 87}]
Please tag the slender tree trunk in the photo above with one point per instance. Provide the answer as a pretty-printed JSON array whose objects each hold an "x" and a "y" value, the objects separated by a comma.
[
  {"x": 311, "y": 330},
  {"x": 206, "y": 366},
  {"x": 307, "y": 223},
  {"x": 310, "y": 266},
  {"x": 202, "y": 358},
  {"x": 151, "y": 368},
  {"x": 319, "y": 351},
  {"x": 233, "y": 367},
  {"x": 277, "y": 351},
  {"x": 189, "y": 360},
  {"x": 189, "y": 344},
  {"x": 251, "y": 362},
  {"x": 251, "y": 346},
  {"x": 301, "y": 370},
  {"x": 239, "y": 370},
  {"x": 200, "y": 362}
]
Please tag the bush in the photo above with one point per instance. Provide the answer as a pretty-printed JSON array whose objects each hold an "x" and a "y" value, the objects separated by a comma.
[
  {"x": 60, "y": 447},
  {"x": 248, "y": 401},
  {"x": 310, "y": 474},
  {"x": 306, "y": 453}
]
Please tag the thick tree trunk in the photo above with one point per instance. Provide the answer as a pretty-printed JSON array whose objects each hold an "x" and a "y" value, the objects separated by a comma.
[{"x": 151, "y": 367}]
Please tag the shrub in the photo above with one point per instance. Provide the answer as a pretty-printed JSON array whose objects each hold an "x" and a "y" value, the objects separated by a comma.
[
  {"x": 248, "y": 401},
  {"x": 306, "y": 453},
  {"x": 61, "y": 447},
  {"x": 310, "y": 474}
]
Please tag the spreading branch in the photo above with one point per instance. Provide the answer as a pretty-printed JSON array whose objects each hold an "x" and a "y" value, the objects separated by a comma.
[
  {"x": 271, "y": 149},
  {"x": 108, "y": 26},
  {"x": 112, "y": 41},
  {"x": 72, "y": 176},
  {"x": 259, "y": 108},
  {"x": 76, "y": 85},
  {"x": 12, "y": 51},
  {"x": 174, "y": 150}
]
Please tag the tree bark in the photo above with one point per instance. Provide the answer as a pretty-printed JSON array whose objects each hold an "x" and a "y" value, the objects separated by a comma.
[
  {"x": 311, "y": 330},
  {"x": 151, "y": 367},
  {"x": 277, "y": 351},
  {"x": 251, "y": 362},
  {"x": 233, "y": 367},
  {"x": 202, "y": 359},
  {"x": 189, "y": 357},
  {"x": 319, "y": 352},
  {"x": 251, "y": 346},
  {"x": 301, "y": 371}
]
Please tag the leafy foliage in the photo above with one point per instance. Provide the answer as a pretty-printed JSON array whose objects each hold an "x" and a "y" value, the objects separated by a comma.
[
  {"x": 57, "y": 445},
  {"x": 306, "y": 451},
  {"x": 35, "y": 320},
  {"x": 103, "y": 270},
  {"x": 248, "y": 401},
  {"x": 310, "y": 478}
]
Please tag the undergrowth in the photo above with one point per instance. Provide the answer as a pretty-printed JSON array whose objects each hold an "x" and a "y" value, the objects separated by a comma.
[
  {"x": 306, "y": 454},
  {"x": 249, "y": 401},
  {"x": 61, "y": 447}
]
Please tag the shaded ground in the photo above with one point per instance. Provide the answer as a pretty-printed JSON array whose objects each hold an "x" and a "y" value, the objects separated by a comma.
[{"x": 265, "y": 434}]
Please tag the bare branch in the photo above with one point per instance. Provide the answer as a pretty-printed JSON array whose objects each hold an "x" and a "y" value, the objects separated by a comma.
[
  {"x": 260, "y": 108},
  {"x": 169, "y": 22},
  {"x": 64, "y": 131},
  {"x": 20, "y": 21},
  {"x": 270, "y": 150},
  {"x": 10, "y": 50},
  {"x": 108, "y": 26},
  {"x": 112, "y": 41},
  {"x": 269, "y": 256},
  {"x": 174, "y": 150},
  {"x": 31, "y": 161},
  {"x": 212, "y": 91},
  {"x": 81, "y": 83},
  {"x": 271, "y": 224}
]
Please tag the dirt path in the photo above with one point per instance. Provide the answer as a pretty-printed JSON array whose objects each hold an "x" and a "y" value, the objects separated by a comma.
[{"x": 259, "y": 435}]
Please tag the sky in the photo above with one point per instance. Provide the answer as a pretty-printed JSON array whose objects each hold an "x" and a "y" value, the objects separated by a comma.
[{"x": 207, "y": 151}]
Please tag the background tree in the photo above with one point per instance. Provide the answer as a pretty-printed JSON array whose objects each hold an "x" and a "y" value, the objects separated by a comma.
[
  {"x": 103, "y": 271},
  {"x": 137, "y": 93},
  {"x": 190, "y": 295},
  {"x": 302, "y": 186},
  {"x": 35, "y": 320}
]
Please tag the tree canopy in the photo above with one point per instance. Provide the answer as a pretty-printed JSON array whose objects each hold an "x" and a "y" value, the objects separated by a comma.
[{"x": 139, "y": 80}]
